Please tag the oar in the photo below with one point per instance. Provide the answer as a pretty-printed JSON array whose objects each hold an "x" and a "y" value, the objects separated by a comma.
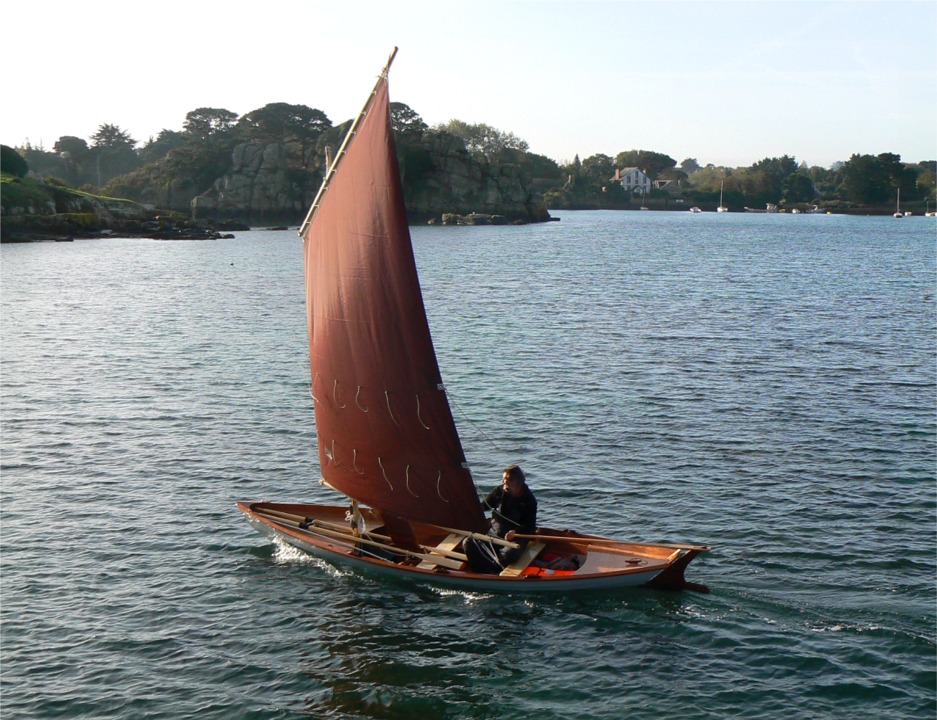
[
  {"x": 608, "y": 541},
  {"x": 323, "y": 523},
  {"x": 343, "y": 536},
  {"x": 485, "y": 538}
]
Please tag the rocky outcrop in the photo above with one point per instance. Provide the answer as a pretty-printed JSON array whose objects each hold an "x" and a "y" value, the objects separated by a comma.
[
  {"x": 267, "y": 182},
  {"x": 263, "y": 183},
  {"x": 33, "y": 210},
  {"x": 461, "y": 184}
]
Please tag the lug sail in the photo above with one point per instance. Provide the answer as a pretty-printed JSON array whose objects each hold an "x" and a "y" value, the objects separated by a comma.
[{"x": 384, "y": 427}]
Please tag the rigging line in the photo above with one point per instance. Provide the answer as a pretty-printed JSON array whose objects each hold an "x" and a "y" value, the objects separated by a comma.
[
  {"x": 488, "y": 548},
  {"x": 351, "y": 546},
  {"x": 496, "y": 511},
  {"x": 471, "y": 422}
]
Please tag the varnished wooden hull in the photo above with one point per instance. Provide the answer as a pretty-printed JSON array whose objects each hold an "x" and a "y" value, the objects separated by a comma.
[{"x": 606, "y": 563}]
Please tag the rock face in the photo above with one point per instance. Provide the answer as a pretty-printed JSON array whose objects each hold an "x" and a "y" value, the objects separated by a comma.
[
  {"x": 459, "y": 184},
  {"x": 262, "y": 184},
  {"x": 266, "y": 182}
]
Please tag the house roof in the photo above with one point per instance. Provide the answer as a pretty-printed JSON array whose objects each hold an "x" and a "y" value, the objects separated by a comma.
[{"x": 619, "y": 174}]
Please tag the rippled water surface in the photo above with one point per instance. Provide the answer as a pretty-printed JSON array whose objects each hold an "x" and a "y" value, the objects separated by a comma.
[{"x": 764, "y": 384}]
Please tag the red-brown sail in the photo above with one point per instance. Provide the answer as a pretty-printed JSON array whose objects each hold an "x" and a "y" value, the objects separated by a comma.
[{"x": 384, "y": 428}]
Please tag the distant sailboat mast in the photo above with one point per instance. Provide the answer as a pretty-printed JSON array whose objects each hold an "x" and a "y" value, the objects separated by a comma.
[{"x": 721, "y": 208}]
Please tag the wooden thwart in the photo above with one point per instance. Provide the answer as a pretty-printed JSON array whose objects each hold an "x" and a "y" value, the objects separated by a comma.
[
  {"x": 446, "y": 550},
  {"x": 527, "y": 557}
]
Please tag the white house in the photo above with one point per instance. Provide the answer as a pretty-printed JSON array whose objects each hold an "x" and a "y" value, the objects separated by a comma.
[{"x": 633, "y": 181}]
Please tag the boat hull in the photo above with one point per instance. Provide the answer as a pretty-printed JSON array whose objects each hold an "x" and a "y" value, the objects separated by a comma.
[{"x": 639, "y": 565}]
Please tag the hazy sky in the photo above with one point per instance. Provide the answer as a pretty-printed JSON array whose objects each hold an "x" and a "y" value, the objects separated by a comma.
[{"x": 727, "y": 83}]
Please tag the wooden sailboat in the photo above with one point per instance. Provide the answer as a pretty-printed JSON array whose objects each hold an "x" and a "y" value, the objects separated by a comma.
[{"x": 385, "y": 433}]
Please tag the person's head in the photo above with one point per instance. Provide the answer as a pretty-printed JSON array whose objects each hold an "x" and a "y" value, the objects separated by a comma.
[{"x": 513, "y": 480}]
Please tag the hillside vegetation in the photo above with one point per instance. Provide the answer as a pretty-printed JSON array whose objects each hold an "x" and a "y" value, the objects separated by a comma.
[{"x": 265, "y": 167}]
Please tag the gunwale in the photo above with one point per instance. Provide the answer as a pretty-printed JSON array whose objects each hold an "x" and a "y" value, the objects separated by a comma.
[{"x": 640, "y": 564}]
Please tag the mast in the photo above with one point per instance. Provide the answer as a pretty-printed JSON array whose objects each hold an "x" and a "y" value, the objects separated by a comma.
[{"x": 333, "y": 165}]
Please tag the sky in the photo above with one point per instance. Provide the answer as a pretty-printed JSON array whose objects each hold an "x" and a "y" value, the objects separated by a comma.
[{"x": 727, "y": 83}]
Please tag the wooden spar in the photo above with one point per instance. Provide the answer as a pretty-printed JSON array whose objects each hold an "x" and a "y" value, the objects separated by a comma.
[
  {"x": 335, "y": 527},
  {"x": 333, "y": 165},
  {"x": 586, "y": 540},
  {"x": 343, "y": 539},
  {"x": 494, "y": 539},
  {"x": 454, "y": 554},
  {"x": 323, "y": 523}
]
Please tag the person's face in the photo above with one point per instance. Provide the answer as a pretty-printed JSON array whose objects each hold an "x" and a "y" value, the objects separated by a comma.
[{"x": 510, "y": 485}]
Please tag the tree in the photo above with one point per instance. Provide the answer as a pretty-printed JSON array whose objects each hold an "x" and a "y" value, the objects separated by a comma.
[
  {"x": 165, "y": 142},
  {"x": 42, "y": 163},
  {"x": 866, "y": 180},
  {"x": 650, "y": 163},
  {"x": 405, "y": 121},
  {"x": 689, "y": 165},
  {"x": 297, "y": 125},
  {"x": 113, "y": 153},
  {"x": 707, "y": 179},
  {"x": 483, "y": 140},
  {"x": 111, "y": 137},
  {"x": 538, "y": 167},
  {"x": 826, "y": 180},
  {"x": 597, "y": 170},
  {"x": 282, "y": 122},
  {"x": 12, "y": 162},
  {"x": 798, "y": 187},
  {"x": 927, "y": 179},
  {"x": 765, "y": 180},
  {"x": 206, "y": 123},
  {"x": 76, "y": 154},
  {"x": 900, "y": 175}
]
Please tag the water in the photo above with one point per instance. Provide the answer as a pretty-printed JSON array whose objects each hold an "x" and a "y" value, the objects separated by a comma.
[{"x": 764, "y": 384}]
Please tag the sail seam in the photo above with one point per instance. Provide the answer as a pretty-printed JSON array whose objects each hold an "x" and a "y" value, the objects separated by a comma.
[
  {"x": 418, "y": 416},
  {"x": 384, "y": 472},
  {"x": 438, "y": 482},
  {"x": 389, "y": 411},
  {"x": 408, "y": 483}
]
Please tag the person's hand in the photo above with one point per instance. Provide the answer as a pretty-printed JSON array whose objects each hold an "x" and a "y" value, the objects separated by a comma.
[{"x": 509, "y": 535}]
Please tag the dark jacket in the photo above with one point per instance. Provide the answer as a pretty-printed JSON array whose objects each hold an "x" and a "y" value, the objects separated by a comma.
[{"x": 512, "y": 513}]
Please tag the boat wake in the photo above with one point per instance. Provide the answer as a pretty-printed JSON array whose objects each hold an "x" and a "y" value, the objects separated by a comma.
[{"x": 286, "y": 554}]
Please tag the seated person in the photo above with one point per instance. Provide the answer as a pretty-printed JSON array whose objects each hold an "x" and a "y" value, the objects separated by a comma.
[{"x": 514, "y": 511}]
